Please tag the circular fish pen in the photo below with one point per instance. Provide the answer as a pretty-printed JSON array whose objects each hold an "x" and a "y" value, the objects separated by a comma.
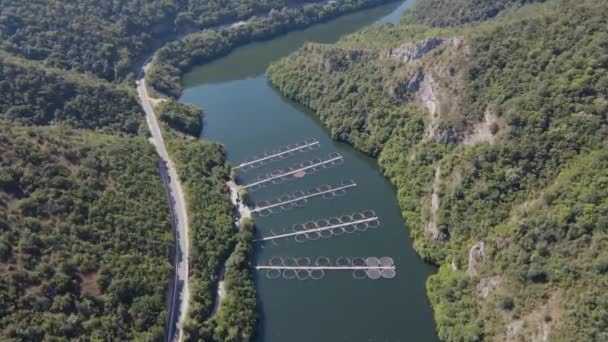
[
  {"x": 327, "y": 227},
  {"x": 277, "y": 154},
  {"x": 304, "y": 268},
  {"x": 297, "y": 171},
  {"x": 300, "y": 198}
]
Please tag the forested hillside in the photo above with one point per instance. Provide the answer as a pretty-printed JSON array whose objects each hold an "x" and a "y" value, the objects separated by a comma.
[
  {"x": 442, "y": 13},
  {"x": 108, "y": 38},
  {"x": 494, "y": 135},
  {"x": 31, "y": 94},
  {"x": 177, "y": 57},
  {"x": 85, "y": 237}
]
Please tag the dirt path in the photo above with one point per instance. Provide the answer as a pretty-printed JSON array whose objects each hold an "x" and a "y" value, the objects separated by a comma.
[{"x": 243, "y": 213}]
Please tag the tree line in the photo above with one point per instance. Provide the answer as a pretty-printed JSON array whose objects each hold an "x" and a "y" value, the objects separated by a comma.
[{"x": 449, "y": 13}]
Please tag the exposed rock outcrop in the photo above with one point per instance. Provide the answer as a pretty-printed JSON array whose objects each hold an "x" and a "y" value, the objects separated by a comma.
[
  {"x": 537, "y": 325},
  {"x": 428, "y": 96},
  {"x": 484, "y": 131},
  {"x": 410, "y": 52},
  {"x": 488, "y": 285},
  {"x": 428, "y": 73},
  {"x": 432, "y": 81},
  {"x": 431, "y": 228},
  {"x": 476, "y": 253}
]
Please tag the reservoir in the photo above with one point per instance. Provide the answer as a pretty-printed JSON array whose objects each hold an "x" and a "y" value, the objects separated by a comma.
[{"x": 246, "y": 115}]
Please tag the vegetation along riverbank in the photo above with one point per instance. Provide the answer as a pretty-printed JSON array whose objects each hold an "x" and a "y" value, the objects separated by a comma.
[
  {"x": 176, "y": 58},
  {"x": 492, "y": 123},
  {"x": 85, "y": 231},
  {"x": 489, "y": 116}
]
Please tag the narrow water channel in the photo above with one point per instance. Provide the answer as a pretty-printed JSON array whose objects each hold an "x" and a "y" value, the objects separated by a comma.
[{"x": 245, "y": 114}]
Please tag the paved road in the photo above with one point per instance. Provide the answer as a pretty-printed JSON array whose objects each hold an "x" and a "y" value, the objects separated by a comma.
[{"x": 169, "y": 176}]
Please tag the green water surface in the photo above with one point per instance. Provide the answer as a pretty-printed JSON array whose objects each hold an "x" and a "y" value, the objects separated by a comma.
[{"x": 243, "y": 112}]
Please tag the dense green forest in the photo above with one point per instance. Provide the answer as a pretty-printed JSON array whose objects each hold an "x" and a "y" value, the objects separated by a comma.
[
  {"x": 443, "y": 13},
  {"x": 109, "y": 38},
  {"x": 215, "y": 241},
  {"x": 31, "y": 94},
  {"x": 85, "y": 237},
  {"x": 84, "y": 226},
  {"x": 236, "y": 320},
  {"x": 187, "y": 119},
  {"x": 495, "y": 136},
  {"x": 237, "y": 316},
  {"x": 179, "y": 56}
]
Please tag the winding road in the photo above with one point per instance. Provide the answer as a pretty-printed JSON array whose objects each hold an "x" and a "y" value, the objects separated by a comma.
[
  {"x": 179, "y": 306},
  {"x": 180, "y": 290}
]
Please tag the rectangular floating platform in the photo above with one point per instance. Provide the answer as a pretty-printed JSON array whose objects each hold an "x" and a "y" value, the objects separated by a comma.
[
  {"x": 372, "y": 268},
  {"x": 320, "y": 193},
  {"x": 325, "y": 268},
  {"x": 278, "y": 154},
  {"x": 292, "y": 172},
  {"x": 317, "y": 229}
]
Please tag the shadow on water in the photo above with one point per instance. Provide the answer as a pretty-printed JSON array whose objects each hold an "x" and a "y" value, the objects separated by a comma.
[{"x": 248, "y": 116}]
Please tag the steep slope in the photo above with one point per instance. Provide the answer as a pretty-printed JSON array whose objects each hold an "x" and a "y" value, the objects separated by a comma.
[
  {"x": 85, "y": 237},
  {"x": 472, "y": 124}
]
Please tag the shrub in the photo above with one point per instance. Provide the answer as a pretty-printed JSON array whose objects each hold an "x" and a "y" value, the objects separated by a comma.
[{"x": 506, "y": 303}]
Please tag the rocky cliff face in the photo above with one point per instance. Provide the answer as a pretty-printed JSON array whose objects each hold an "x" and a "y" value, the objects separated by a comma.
[
  {"x": 429, "y": 74},
  {"x": 410, "y": 52},
  {"x": 435, "y": 81}
]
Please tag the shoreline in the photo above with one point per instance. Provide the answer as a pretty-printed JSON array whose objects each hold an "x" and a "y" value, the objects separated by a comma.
[{"x": 242, "y": 212}]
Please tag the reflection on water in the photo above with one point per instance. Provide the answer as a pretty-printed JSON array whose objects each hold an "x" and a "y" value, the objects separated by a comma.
[
  {"x": 249, "y": 117},
  {"x": 260, "y": 55}
]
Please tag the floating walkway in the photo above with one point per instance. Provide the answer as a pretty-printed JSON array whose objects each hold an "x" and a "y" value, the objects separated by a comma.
[
  {"x": 327, "y": 228},
  {"x": 351, "y": 268},
  {"x": 259, "y": 160},
  {"x": 300, "y": 198},
  {"x": 302, "y": 268},
  {"x": 299, "y": 172}
]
